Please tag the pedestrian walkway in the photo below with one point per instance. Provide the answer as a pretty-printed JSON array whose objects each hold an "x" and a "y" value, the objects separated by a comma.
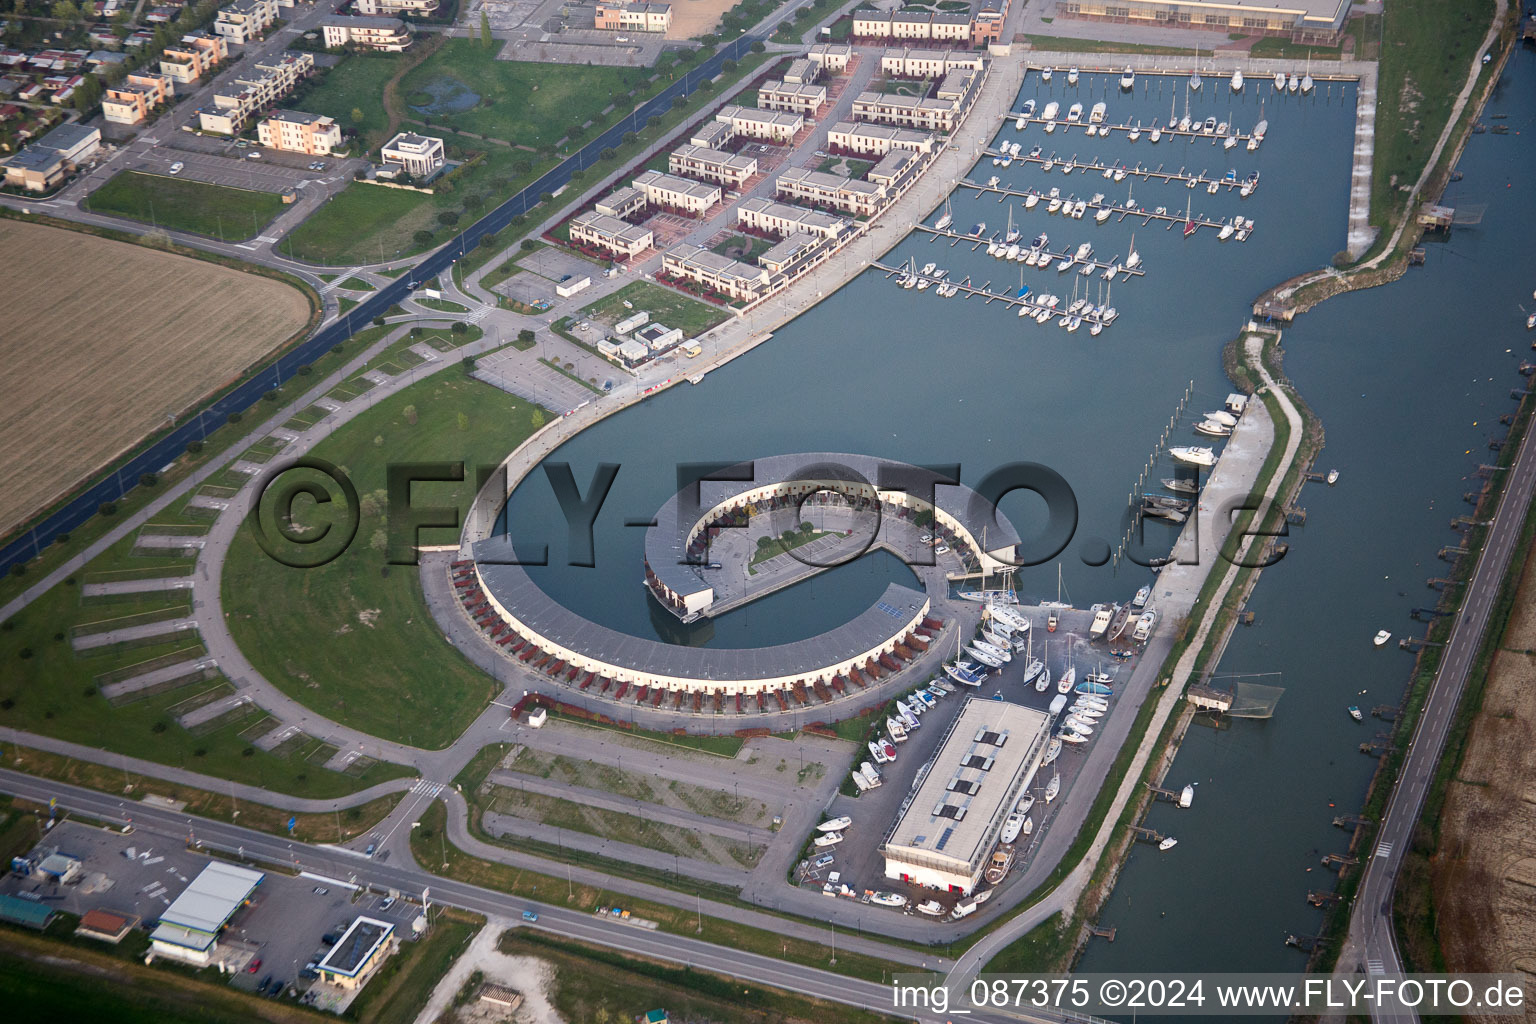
[
  {"x": 169, "y": 542},
  {"x": 661, "y": 861},
  {"x": 212, "y": 710},
  {"x": 174, "y": 673},
  {"x": 136, "y": 586}
]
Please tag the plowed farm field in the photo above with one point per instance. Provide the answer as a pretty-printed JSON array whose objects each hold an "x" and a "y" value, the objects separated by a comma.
[{"x": 102, "y": 340}]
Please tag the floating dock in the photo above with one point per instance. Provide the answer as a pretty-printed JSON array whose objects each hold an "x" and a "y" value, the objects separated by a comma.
[
  {"x": 1055, "y": 257},
  {"x": 969, "y": 291},
  {"x": 1169, "y": 220},
  {"x": 1196, "y": 130},
  {"x": 1071, "y": 166}
]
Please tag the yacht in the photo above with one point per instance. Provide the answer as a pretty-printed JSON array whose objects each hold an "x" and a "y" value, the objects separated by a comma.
[
  {"x": 996, "y": 639},
  {"x": 1045, "y": 74},
  {"x": 996, "y": 871},
  {"x": 1070, "y": 736},
  {"x": 1223, "y": 417},
  {"x": 1075, "y": 112},
  {"x": 1382, "y": 636},
  {"x": 1052, "y": 751},
  {"x": 1072, "y": 76},
  {"x": 1194, "y": 456},
  {"x": 1051, "y": 110},
  {"x": 1128, "y": 80},
  {"x": 1096, "y": 115},
  {"x": 1030, "y": 201},
  {"x": 945, "y": 220},
  {"x": 1306, "y": 83},
  {"x": 835, "y": 825},
  {"x": 965, "y": 673},
  {"x": 1002, "y": 653},
  {"x": 1157, "y": 132},
  {"x": 1029, "y": 108},
  {"x": 1142, "y": 597},
  {"x": 1178, "y": 487},
  {"x": 1293, "y": 84},
  {"x": 897, "y": 730},
  {"x": 830, "y": 839},
  {"x": 933, "y": 908},
  {"x": 1068, "y": 680},
  {"x": 1078, "y": 725},
  {"x": 888, "y": 899},
  {"x": 1279, "y": 81},
  {"x": 1012, "y": 827},
  {"x": 1053, "y": 787},
  {"x": 1194, "y": 81},
  {"x": 1237, "y": 81},
  {"x": 1354, "y": 712},
  {"x": 1134, "y": 133},
  {"x": 1168, "y": 844}
]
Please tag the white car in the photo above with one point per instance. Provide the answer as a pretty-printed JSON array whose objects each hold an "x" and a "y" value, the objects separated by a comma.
[
  {"x": 176, "y": 167},
  {"x": 942, "y": 549}
]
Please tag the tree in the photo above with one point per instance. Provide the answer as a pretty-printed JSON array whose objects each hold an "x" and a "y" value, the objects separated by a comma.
[
  {"x": 65, "y": 10},
  {"x": 525, "y": 336},
  {"x": 528, "y": 245},
  {"x": 422, "y": 237},
  {"x": 537, "y": 419},
  {"x": 459, "y": 327},
  {"x": 485, "y": 29},
  {"x": 357, "y": 115}
]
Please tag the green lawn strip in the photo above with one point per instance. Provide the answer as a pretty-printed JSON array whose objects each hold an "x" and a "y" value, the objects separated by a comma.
[
  {"x": 594, "y": 983},
  {"x": 663, "y": 304},
  {"x": 746, "y": 248},
  {"x": 429, "y": 847},
  {"x": 325, "y": 827},
  {"x": 353, "y": 638},
  {"x": 399, "y": 990},
  {"x": 441, "y": 305},
  {"x": 773, "y": 547},
  {"x": 444, "y": 339},
  {"x": 352, "y": 92},
  {"x": 53, "y": 692},
  {"x": 343, "y": 304},
  {"x": 567, "y": 373},
  {"x": 723, "y": 746},
  {"x": 327, "y": 278},
  {"x": 356, "y": 284},
  {"x": 181, "y": 204},
  {"x": 55, "y": 977}
]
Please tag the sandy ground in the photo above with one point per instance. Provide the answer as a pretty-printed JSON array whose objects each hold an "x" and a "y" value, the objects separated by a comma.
[
  {"x": 1485, "y": 869},
  {"x": 526, "y": 974},
  {"x": 102, "y": 340},
  {"x": 696, "y": 17}
]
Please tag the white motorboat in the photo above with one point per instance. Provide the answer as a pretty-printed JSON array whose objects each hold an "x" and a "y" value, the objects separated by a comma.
[
  {"x": 1080, "y": 726},
  {"x": 1025, "y": 805},
  {"x": 1237, "y": 81},
  {"x": 928, "y": 268},
  {"x": 1083, "y": 251},
  {"x": 1382, "y": 636},
  {"x": 1187, "y": 795},
  {"x": 1134, "y": 133},
  {"x": 1051, "y": 788},
  {"x": 1157, "y": 133},
  {"x": 1029, "y": 108},
  {"x": 1029, "y": 827},
  {"x": 1333, "y": 474},
  {"x": 1102, "y": 215},
  {"x": 1210, "y": 428},
  {"x": 1075, "y": 112},
  {"x": 1128, "y": 79},
  {"x": 1279, "y": 81},
  {"x": 1069, "y": 736},
  {"x": 1051, "y": 110},
  {"x": 835, "y": 825},
  {"x": 1144, "y": 626},
  {"x": 1011, "y": 827},
  {"x": 877, "y": 751},
  {"x": 1072, "y": 76},
  {"x": 992, "y": 181},
  {"x": 1030, "y": 201},
  {"x": 1142, "y": 597},
  {"x": 1168, "y": 844},
  {"x": 933, "y": 908},
  {"x": 830, "y": 839},
  {"x": 1045, "y": 74},
  {"x": 1096, "y": 115},
  {"x": 1193, "y": 455},
  {"x": 1078, "y": 209},
  {"x": 1068, "y": 680},
  {"x": 1223, "y": 417},
  {"x": 1053, "y": 205},
  {"x": 888, "y": 899},
  {"x": 897, "y": 730}
]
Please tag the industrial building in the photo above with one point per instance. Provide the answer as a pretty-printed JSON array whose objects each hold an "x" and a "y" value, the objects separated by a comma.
[
  {"x": 189, "y": 929},
  {"x": 988, "y": 758},
  {"x": 1304, "y": 21}
]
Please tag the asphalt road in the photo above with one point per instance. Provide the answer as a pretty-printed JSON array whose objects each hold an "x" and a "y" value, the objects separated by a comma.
[
  {"x": 1371, "y": 945},
  {"x": 348, "y": 866}
]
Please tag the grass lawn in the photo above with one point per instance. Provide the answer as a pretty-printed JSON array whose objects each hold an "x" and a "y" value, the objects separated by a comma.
[
  {"x": 1046, "y": 947},
  {"x": 180, "y": 204},
  {"x": 356, "y": 284},
  {"x": 48, "y": 689},
  {"x": 1427, "y": 48},
  {"x": 356, "y": 84},
  {"x": 343, "y": 303},
  {"x": 725, "y": 746},
  {"x": 846, "y": 166},
  {"x": 746, "y": 248},
  {"x": 665, "y": 305},
  {"x": 370, "y": 223},
  {"x": 400, "y": 989},
  {"x": 353, "y": 639},
  {"x": 530, "y": 104},
  {"x": 443, "y": 305}
]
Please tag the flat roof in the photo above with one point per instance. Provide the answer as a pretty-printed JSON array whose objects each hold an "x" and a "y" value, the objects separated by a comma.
[
  {"x": 512, "y": 587},
  {"x": 828, "y": 182},
  {"x": 359, "y": 942},
  {"x": 298, "y": 117},
  {"x": 361, "y": 21},
  {"x": 715, "y": 157},
  {"x": 884, "y": 131},
  {"x": 715, "y": 263},
  {"x": 24, "y": 912},
  {"x": 68, "y": 136},
  {"x": 602, "y": 223},
  {"x": 209, "y": 899},
  {"x": 666, "y": 543},
  {"x": 976, "y": 777},
  {"x": 675, "y": 183},
  {"x": 789, "y": 212},
  {"x": 779, "y": 117}
]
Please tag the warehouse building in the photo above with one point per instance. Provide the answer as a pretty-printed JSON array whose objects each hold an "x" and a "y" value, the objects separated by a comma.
[
  {"x": 1304, "y": 21},
  {"x": 946, "y": 834},
  {"x": 189, "y": 929}
]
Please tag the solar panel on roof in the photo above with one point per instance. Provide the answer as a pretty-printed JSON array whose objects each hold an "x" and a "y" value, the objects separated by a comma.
[
  {"x": 944, "y": 838},
  {"x": 889, "y": 609}
]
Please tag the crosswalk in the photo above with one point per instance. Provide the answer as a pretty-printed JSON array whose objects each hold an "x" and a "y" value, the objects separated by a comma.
[
  {"x": 1383, "y": 849},
  {"x": 1375, "y": 967},
  {"x": 478, "y": 314},
  {"x": 427, "y": 788}
]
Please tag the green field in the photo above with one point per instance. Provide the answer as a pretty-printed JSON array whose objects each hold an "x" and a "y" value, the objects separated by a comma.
[
  {"x": 371, "y": 223},
  {"x": 354, "y": 85},
  {"x": 665, "y": 305},
  {"x": 746, "y": 248},
  {"x": 525, "y": 103},
  {"x": 180, "y": 204},
  {"x": 353, "y": 639}
]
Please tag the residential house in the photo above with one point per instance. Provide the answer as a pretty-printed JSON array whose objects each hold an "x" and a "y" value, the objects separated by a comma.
[
  {"x": 294, "y": 131},
  {"x": 389, "y": 35},
  {"x": 420, "y": 156},
  {"x": 610, "y": 234},
  {"x": 672, "y": 192}
]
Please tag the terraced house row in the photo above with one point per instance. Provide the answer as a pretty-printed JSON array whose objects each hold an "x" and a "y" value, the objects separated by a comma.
[
  {"x": 234, "y": 105},
  {"x": 938, "y": 113},
  {"x": 980, "y": 26}
]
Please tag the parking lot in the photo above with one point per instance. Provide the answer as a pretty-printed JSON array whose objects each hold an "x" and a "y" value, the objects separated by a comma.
[
  {"x": 140, "y": 875},
  {"x": 264, "y": 175}
]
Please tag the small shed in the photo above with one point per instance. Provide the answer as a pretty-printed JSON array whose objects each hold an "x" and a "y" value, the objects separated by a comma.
[
  {"x": 1436, "y": 217},
  {"x": 538, "y": 717}
]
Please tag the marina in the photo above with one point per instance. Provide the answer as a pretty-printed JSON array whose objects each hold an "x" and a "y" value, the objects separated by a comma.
[
  {"x": 1193, "y": 132},
  {"x": 1116, "y": 172},
  {"x": 1169, "y": 218},
  {"x": 1022, "y": 304}
]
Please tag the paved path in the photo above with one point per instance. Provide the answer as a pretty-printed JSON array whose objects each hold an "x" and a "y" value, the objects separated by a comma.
[
  {"x": 89, "y": 641},
  {"x": 647, "y": 809},
  {"x": 174, "y": 673},
  {"x": 660, "y": 861},
  {"x": 154, "y": 586}
]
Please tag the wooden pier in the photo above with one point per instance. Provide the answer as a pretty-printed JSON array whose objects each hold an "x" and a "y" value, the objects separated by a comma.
[
  {"x": 1163, "y": 794},
  {"x": 1305, "y": 943},
  {"x": 1103, "y": 933},
  {"x": 1352, "y": 821},
  {"x": 1386, "y": 712},
  {"x": 1340, "y": 860},
  {"x": 977, "y": 243},
  {"x": 1146, "y": 216},
  {"x": 1115, "y": 173},
  {"x": 970, "y": 291},
  {"x": 1150, "y": 835},
  {"x": 1321, "y": 898},
  {"x": 1196, "y": 129}
]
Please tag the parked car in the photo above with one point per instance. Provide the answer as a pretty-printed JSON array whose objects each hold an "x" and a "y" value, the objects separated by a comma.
[
  {"x": 529, "y": 915},
  {"x": 262, "y": 988},
  {"x": 254, "y": 966},
  {"x": 176, "y": 167},
  {"x": 330, "y": 938},
  {"x": 389, "y": 901},
  {"x": 253, "y": 156}
]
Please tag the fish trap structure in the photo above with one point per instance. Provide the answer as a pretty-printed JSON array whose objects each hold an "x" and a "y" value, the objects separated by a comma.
[{"x": 1243, "y": 700}]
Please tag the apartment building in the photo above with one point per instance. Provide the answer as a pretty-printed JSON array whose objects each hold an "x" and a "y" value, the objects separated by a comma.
[
  {"x": 892, "y": 170},
  {"x": 731, "y": 169},
  {"x": 915, "y": 62},
  {"x": 798, "y": 99},
  {"x": 388, "y": 35},
  {"x": 877, "y": 139},
  {"x": 197, "y": 53},
  {"x": 420, "y": 156},
  {"x": 933, "y": 115},
  {"x": 753, "y": 123},
  {"x": 622, "y": 202},
  {"x": 672, "y": 192},
  {"x": 982, "y": 25},
  {"x": 243, "y": 21},
  {"x": 712, "y": 135},
  {"x": 833, "y": 57},
  {"x": 955, "y": 85},
  {"x": 414, "y": 8},
  {"x": 791, "y": 254},
  {"x": 131, "y": 101},
  {"x": 850, "y": 195},
  {"x": 610, "y": 234},
  {"x": 294, "y": 131},
  {"x": 234, "y": 105},
  {"x": 784, "y": 220},
  {"x": 740, "y": 281},
  {"x": 802, "y": 71},
  {"x": 640, "y": 16}
]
